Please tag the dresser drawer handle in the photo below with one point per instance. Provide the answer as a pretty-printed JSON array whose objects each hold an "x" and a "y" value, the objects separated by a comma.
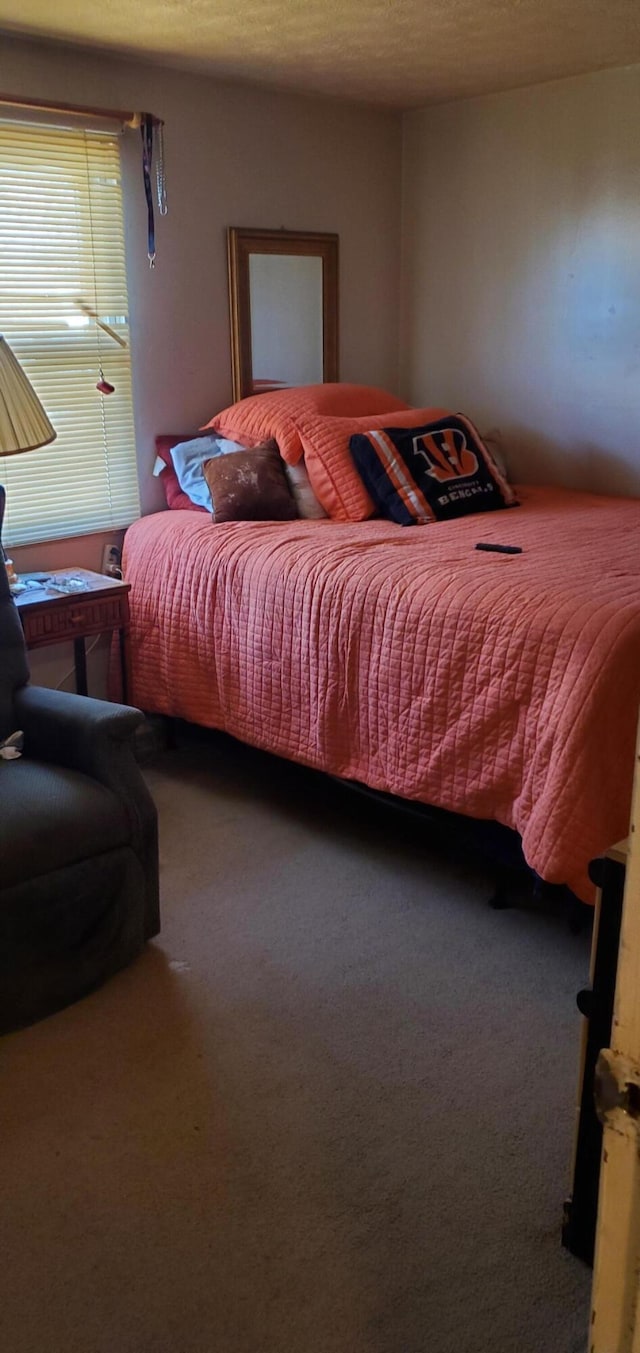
[{"x": 76, "y": 618}]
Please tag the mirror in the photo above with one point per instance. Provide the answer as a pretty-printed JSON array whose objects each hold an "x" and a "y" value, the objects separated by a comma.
[{"x": 283, "y": 294}]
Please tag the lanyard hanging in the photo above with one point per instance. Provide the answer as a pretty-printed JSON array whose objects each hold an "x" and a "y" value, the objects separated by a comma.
[
  {"x": 146, "y": 132},
  {"x": 161, "y": 184},
  {"x": 152, "y": 128}
]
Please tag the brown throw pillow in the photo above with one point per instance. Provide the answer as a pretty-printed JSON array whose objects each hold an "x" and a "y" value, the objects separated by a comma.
[{"x": 250, "y": 486}]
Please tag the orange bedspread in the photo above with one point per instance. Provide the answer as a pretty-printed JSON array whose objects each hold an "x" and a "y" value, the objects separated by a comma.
[{"x": 499, "y": 686}]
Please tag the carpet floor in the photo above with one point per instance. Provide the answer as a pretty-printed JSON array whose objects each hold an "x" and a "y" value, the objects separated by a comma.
[{"x": 328, "y": 1111}]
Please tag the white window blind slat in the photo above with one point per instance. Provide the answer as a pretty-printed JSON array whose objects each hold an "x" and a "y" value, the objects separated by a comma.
[{"x": 61, "y": 248}]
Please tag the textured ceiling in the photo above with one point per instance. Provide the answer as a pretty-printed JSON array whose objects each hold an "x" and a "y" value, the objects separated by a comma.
[{"x": 397, "y": 53}]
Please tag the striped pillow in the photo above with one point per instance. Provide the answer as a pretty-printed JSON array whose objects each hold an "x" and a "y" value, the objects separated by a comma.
[{"x": 434, "y": 472}]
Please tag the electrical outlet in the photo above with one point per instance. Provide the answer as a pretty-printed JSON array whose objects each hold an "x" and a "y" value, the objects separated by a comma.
[{"x": 111, "y": 560}]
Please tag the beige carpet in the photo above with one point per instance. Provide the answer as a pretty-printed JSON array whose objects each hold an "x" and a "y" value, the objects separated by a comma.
[{"x": 330, "y": 1111}]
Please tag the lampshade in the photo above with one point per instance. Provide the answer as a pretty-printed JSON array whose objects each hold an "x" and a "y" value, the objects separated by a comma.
[{"x": 24, "y": 425}]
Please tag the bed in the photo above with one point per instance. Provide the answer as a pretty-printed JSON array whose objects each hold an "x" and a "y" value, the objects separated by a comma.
[{"x": 501, "y": 687}]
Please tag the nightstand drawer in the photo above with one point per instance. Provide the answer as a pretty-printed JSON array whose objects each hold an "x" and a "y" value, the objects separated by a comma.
[{"x": 78, "y": 616}]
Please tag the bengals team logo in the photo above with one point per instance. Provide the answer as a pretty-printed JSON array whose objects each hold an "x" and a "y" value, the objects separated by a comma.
[{"x": 447, "y": 454}]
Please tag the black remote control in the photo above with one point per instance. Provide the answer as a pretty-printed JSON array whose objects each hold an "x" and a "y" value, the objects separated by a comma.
[{"x": 500, "y": 549}]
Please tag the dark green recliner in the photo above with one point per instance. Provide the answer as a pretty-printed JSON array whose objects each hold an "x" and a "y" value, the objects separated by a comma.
[{"x": 78, "y": 840}]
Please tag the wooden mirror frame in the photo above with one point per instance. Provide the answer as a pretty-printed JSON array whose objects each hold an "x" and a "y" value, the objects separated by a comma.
[{"x": 240, "y": 244}]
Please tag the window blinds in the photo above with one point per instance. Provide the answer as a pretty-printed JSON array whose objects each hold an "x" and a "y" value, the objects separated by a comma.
[{"x": 61, "y": 255}]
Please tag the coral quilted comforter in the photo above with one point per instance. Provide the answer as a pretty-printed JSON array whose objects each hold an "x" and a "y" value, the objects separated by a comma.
[{"x": 498, "y": 686}]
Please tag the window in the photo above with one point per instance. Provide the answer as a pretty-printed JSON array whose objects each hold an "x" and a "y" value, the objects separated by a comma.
[{"x": 61, "y": 265}]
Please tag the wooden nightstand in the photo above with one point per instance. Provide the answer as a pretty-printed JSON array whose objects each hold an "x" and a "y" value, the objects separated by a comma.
[{"x": 98, "y": 605}]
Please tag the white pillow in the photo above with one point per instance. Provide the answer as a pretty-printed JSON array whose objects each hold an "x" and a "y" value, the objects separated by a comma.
[
  {"x": 188, "y": 459},
  {"x": 493, "y": 442},
  {"x": 305, "y": 499}
]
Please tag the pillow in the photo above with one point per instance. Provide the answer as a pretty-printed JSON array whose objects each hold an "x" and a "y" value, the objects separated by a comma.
[
  {"x": 495, "y": 447},
  {"x": 250, "y": 486},
  {"x": 275, "y": 414},
  {"x": 432, "y": 472},
  {"x": 176, "y": 499},
  {"x": 179, "y": 483},
  {"x": 333, "y": 474},
  {"x": 188, "y": 459},
  {"x": 305, "y": 499}
]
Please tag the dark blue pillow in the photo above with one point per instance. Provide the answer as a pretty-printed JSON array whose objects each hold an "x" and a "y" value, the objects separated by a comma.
[{"x": 430, "y": 473}]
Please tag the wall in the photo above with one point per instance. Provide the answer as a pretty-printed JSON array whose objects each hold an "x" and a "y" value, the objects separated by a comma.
[
  {"x": 235, "y": 156},
  {"x": 521, "y": 273}
]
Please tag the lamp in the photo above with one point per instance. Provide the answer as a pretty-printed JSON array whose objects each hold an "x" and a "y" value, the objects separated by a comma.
[{"x": 24, "y": 425}]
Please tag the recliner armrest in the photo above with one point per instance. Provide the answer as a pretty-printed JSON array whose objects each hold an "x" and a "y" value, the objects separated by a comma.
[
  {"x": 94, "y": 737},
  {"x": 91, "y": 736},
  {"x": 72, "y": 730}
]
